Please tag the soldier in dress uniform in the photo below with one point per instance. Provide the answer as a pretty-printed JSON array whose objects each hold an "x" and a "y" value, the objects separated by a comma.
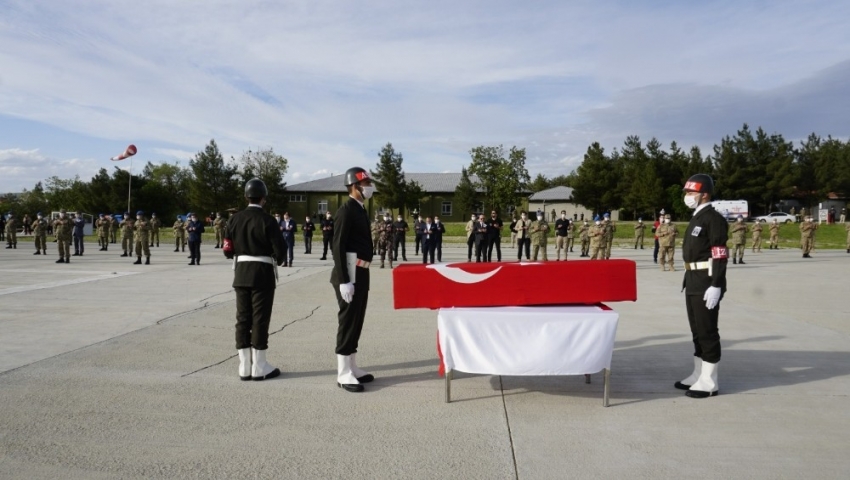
[
  {"x": 539, "y": 233},
  {"x": 141, "y": 234},
  {"x": 327, "y": 234},
  {"x": 352, "y": 252},
  {"x": 155, "y": 224},
  {"x": 562, "y": 226},
  {"x": 807, "y": 236},
  {"x": 667, "y": 234},
  {"x": 127, "y": 228},
  {"x": 385, "y": 239},
  {"x": 103, "y": 226},
  {"x": 252, "y": 238},
  {"x": 62, "y": 227},
  {"x": 218, "y": 227},
  {"x": 179, "y": 235},
  {"x": 584, "y": 236},
  {"x": 400, "y": 227},
  {"x": 11, "y": 231},
  {"x": 757, "y": 228},
  {"x": 39, "y": 232},
  {"x": 705, "y": 255},
  {"x": 739, "y": 240},
  {"x": 774, "y": 235},
  {"x": 597, "y": 236},
  {"x": 640, "y": 230}
]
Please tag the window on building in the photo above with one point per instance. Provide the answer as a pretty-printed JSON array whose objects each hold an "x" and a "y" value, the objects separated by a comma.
[
  {"x": 298, "y": 198},
  {"x": 323, "y": 206},
  {"x": 446, "y": 209}
]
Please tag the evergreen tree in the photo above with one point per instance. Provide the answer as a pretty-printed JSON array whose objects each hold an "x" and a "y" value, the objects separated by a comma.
[
  {"x": 465, "y": 195},
  {"x": 269, "y": 167},
  {"x": 214, "y": 186}
]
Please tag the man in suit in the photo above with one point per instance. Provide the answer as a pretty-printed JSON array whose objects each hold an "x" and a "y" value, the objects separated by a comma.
[
  {"x": 288, "y": 229},
  {"x": 439, "y": 230},
  {"x": 253, "y": 238},
  {"x": 308, "y": 229},
  {"x": 195, "y": 228},
  {"x": 494, "y": 236},
  {"x": 352, "y": 254},
  {"x": 481, "y": 242},
  {"x": 429, "y": 240}
]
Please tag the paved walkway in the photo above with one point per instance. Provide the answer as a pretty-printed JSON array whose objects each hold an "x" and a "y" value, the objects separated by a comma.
[{"x": 113, "y": 370}]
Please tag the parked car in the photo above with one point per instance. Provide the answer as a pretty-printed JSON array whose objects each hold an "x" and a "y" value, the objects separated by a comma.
[{"x": 780, "y": 217}]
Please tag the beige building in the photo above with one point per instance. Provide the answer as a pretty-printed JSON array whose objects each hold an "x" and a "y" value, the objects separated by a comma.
[{"x": 561, "y": 198}]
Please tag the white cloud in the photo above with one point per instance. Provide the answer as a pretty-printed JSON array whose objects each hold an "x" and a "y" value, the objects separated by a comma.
[{"x": 22, "y": 169}]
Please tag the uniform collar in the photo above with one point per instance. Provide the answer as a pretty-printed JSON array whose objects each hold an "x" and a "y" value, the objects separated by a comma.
[{"x": 358, "y": 201}]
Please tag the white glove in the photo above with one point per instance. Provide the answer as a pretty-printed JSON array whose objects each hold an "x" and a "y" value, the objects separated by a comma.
[
  {"x": 711, "y": 297},
  {"x": 347, "y": 291}
]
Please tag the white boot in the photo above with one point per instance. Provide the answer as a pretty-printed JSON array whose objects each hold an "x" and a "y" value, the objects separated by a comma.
[
  {"x": 707, "y": 385},
  {"x": 344, "y": 376},
  {"x": 686, "y": 383},
  {"x": 361, "y": 375},
  {"x": 244, "y": 363},
  {"x": 261, "y": 370}
]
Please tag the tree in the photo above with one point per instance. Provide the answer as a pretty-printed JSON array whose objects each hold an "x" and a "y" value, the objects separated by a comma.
[
  {"x": 389, "y": 178},
  {"x": 170, "y": 181},
  {"x": 270, "y": 168},
  {"x": 539, "y": 183},
  {"x": 465, "y": 195},
  {"x": 595, "y": 181},
  {"x": 503, "y": 178},
  {"x": 214, "y": 185}
]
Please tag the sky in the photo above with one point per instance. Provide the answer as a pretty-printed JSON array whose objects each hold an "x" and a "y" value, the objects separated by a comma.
[{"x": 327, "y": 84}]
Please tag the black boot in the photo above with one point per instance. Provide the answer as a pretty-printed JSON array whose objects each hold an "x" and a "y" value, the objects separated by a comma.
[
  {"x": 67, "y": 259},
  {"x": 176, "y": 249},
  {"x": 192, "y": 262},
  {"x": 125, "y": 254},
  {"x": 734, "y": 261},
  {"x": 61, "y": 260},
  {"x": 138, "y": 261},
  {"x": 38, "y": 252},
  {"x": 741, "y": 262},
  {"x": 147, "y": 260}
]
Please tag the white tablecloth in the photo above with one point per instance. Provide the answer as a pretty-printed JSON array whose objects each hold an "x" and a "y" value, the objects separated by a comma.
[{"x": 527, "y": 340}]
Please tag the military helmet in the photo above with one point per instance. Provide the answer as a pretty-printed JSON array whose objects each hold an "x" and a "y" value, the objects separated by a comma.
[
  {"x": 255, "y": 188},
  {"x": 127, "y": 214},
  {"x": 355, "y": 175},
  {"x": 139, "y": 213},
  {"x": 700, "y": 183}
]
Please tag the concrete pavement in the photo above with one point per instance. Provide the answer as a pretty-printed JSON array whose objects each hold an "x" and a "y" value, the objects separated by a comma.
[{"x": 113, "y": 370}]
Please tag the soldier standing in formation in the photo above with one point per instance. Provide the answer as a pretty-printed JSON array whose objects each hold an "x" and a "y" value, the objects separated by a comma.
[
  {"x": 562, "y": 227},
  {"x": 539, "y": 233},
  {"x": 385, "y": 239},
  {"x": 195, "y": 230},
  {"x": 39, "y": 231},
  {"x": 571, "y": 232},
  {"x": 155, "y": 224},
  {"x": 218, "y": 228},
  {"x": 470, "y": 237},
  {"x": 79, "y": 233},
  {"x": 739, "y": 240},
  {"x": 401, "y": 228},
  {"x": 62, "y": 230},
  {"x": 127, "y": 227},
  {"x": 142, "y": 232},
  {"x": 11, "y": 232},
  {"x": 27, "y": 222},
  {"x": 706, "y": 256},
  {"x": 352, "y": 252},
  {"x": 327, "y": 234},
  {"x": 179, "y": 234},
  {"x": 640, "y": 230},
  {"x": 113, "y": 229},
  {"x": 253, "y": 237},
  {"x": 597, "y": 237},
  {"x": 584, "y": 236},
  {"x": 807, "y": 236},
  {"x": 308, "y": 229},
  {"x": 103, "y": 227},
  {"x": 611, "y": 228},
  {"x": 667, "y": 234},
  {"x": 774, "y": 235},
  {"x": 757, "y": 228},
  {"x": 377, "y": 225},
  {"x": 523, "y": 239}
]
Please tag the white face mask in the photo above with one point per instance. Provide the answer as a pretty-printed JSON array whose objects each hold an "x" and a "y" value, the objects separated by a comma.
[
  {"x": 666, "y": 220},
  {"x": 436, "y": 220},
  {"x": 691, "y": 201},
  {"x": 598, "y": 222},
  {"x": 398, "y": 219},
  {"x": 563, "y": 215},
  {"x": 387, "y": 219},
  {"x": 740, "y": 219},
  {"x": 524, "y": 217},
  {"x": 367, "y": 191},
  {"x": 40, "y": 217}
]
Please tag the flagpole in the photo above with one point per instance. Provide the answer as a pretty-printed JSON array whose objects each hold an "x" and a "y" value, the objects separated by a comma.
[{"x": 130, "y": 184}]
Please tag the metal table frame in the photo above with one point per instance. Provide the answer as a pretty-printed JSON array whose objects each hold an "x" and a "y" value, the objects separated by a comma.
[{"x": 606, "y": 375}]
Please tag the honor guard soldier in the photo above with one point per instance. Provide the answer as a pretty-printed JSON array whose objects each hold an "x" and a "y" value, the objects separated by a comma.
[
  {"x": 562, "y": 226},
  {"x": 218, "y": 227},
  {"x": 739, "y": 240},
  {"x": 142, "y": 232},
  {"x": 39, "y": 232},
  {"x": 155, "y": 223},
  {"x": 127, "y": 228},
  {"x": 78, "y": 225},
  {"x": 195, "y": 230},
  {"x": 539, "y": 233},
  {"x": 179, "y": 235},
  {"x": 252, "y": 239},
  {"x": 523, "y": 236},
  {"x": 11, "y": 231},
  {"x": 705, "y": 255},
  {"x": 470, "y": 236},
  {"x": 308, "y": 229},
  {"x": 62, "y": 227},
  {"x": 667, "y": 233},
  {"x": 401, "y": 229},
  {"x": 103, "y": 226},
  {"x": 352, "y": 252},
  {"x": 807, "y": 236},
  {"x": 774, "y": 235},
  {"x": 584, "y": 236},
  {"x": 757, "y": 228},
  {"x": 640, "y": 230},
  {"x": 327, "y": 234},
  {"x": 385, "y": 239},
  {"x": 597, "y": 237}
]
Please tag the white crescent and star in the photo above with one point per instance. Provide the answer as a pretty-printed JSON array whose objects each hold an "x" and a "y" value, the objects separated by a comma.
[{"x": 460, "y": 276}]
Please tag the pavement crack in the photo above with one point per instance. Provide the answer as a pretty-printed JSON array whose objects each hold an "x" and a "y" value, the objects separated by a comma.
[
  {"x": 188, "y": 312},
  {"x": 508, "y": 423},
  {"x": 296, "y": 320}
]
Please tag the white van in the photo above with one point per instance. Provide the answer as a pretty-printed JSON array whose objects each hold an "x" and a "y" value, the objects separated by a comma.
[{"x": 732, "y": 208}]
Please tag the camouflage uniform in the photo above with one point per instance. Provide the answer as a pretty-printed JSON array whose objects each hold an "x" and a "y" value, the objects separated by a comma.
[
  {"x": 640, "y": 229},
  {"x": 127, "y": 227},
  {"x": 179, "y": 235},
  {"x": 667, "y": 234},
  {"x": 585, "y": 239},
  {"x": 62, "y": 229},
  {"x": 539, "y": 233},
  {"x": 113, "y": 229},
  {"x": 597, "y": 237},
  {"x": 774, "y": 235},
  {"x": 807, "y": 237},
  {"x": 103, "y": 227},
  {"x": 739, "y": 241},
  {"x": 377, "y": 225},
  {"x": 142, "y": 235},
  {"x": 757, "y": 228},
  {"x": 11, "y": 232},
  {"x": 571, "y": 232},
  {"x": 218, "y": 227},
  {"x": 39, "y": 232},
  {"x": 155, "y": 223},
  {"x": 847, "y": 228},
  {"x": 385, "y": 241},
  {"x": 612, "y": 228}
]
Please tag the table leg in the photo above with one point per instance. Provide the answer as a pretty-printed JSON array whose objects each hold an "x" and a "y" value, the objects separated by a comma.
[
  {"x": 607, "y": 375},
  {"x": 586, "y": 378},
  {"x": 448, "y": 386}
]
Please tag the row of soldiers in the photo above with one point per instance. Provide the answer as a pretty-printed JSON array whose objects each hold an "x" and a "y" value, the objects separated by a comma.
[{"x": 738, "y": 231}]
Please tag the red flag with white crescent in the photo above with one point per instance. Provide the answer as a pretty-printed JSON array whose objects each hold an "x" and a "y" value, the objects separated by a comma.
[{"x": 131, "y": 150}]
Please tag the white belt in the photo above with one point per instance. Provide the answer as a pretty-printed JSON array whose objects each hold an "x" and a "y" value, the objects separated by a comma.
[
  {"x": 697, "y": 265},
  {"x": 251, "y": 258}
]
